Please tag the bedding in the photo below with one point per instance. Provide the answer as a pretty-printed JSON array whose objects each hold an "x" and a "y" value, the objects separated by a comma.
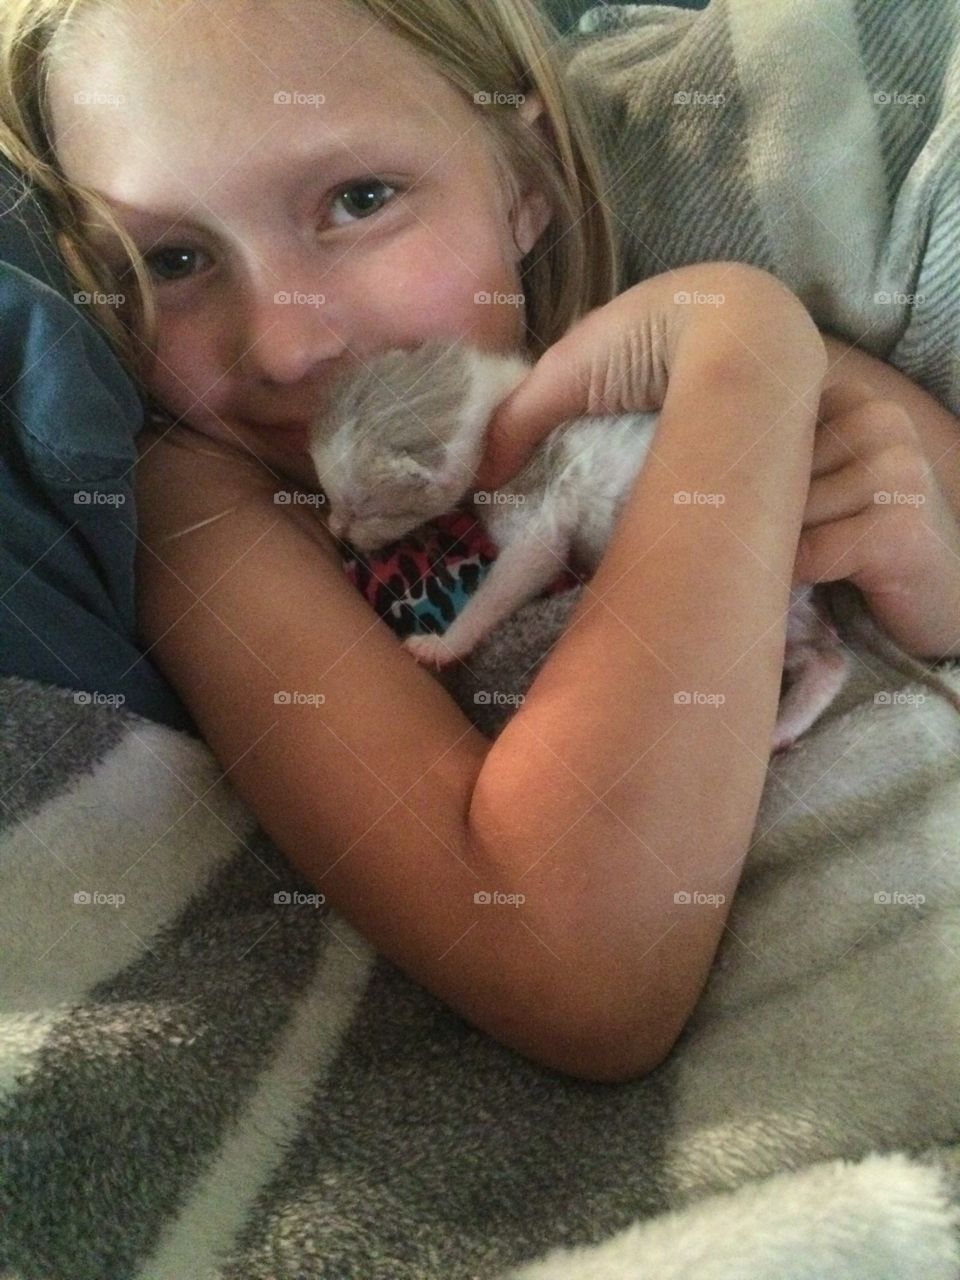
[{"x": 207, "y": 1074}]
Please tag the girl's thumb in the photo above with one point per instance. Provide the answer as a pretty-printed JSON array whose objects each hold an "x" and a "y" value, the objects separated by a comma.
[{"x": 550, "y": 394}]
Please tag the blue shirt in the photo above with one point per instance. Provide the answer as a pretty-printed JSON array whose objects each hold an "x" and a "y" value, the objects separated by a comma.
[{"x": 69, "y": 418}]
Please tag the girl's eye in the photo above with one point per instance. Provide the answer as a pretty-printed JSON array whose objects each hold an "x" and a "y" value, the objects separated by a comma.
[
  {"x": 362, "y": 199},
  {"x": 176, "y": 258}
]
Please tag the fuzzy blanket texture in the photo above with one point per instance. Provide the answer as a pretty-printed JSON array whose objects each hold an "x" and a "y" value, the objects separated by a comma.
[
  {"x": 817, "y": 139},
  {"x": 206, "y": 1074}
]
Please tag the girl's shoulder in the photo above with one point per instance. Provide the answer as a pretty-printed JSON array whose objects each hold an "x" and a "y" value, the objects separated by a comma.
[{"x": 186, "y": 480}]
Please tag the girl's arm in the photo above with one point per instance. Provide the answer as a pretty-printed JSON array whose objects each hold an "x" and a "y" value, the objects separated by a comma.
[
  {"x": 627, "y": 785},
  {"x": 368, "y": 792},
  {"x": 602, "y": 798}
]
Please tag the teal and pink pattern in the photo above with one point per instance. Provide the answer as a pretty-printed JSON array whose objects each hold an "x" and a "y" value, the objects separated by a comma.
[{"x": 421, "y": 583}]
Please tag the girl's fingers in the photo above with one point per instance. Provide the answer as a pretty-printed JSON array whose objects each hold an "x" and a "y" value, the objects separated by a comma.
[
  {"x": 841, "y": 397},
  {"x": 836, "y": 550},
  {"x": 612, "y": 360},
  {"x": 839, "y": 494},
  {"x": 851, "y": 426},
  {"x": 562, "y": 385},
  {"x": 554, "y": 391}
]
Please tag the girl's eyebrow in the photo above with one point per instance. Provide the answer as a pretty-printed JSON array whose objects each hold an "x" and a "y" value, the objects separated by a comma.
[{"x": 135, "y": 217}]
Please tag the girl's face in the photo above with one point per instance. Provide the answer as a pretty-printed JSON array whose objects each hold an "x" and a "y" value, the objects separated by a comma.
[{"x": 306, "y": 190}]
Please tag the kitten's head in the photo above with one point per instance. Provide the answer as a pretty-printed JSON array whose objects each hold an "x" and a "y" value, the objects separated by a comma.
[{"x": 398, "y": 442}]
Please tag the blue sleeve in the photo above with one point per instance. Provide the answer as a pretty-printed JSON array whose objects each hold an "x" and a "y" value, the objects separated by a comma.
[{"x": 69, "y": 417}]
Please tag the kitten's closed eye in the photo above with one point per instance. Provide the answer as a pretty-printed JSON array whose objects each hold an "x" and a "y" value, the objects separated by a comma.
[{"x": 400, "y": 440}]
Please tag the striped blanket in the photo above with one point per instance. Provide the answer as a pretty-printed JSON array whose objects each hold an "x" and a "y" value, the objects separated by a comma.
[
  {"x": 206, "y": 1074},
  {"x": 818, "y": 139}
]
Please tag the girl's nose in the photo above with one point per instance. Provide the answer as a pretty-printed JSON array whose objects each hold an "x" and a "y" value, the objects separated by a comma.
[{"x": 287, "y": 339}]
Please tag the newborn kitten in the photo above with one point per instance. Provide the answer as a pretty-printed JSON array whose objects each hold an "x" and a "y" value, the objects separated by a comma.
[{"x": 398, "y": 444}]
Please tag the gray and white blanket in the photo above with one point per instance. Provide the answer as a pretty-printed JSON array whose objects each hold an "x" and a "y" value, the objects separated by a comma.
[
  {"x": 206, "y": 1074},
  {"x": 818, "y": 139}
]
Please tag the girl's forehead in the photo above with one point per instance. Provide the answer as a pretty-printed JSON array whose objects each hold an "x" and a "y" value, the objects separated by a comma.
[
  {"x": 282, "y": 35},
  {"x": 239, "y": 80}
]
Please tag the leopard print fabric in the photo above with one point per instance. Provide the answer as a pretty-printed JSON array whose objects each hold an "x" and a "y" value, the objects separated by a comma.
[{"x": 421, "y": 583}]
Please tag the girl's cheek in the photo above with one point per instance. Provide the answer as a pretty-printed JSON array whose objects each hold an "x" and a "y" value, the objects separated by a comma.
[
  {"x": 412, "y": 280},
  {"x": 426, "y": 286},
  {"x": 183, "y": 369},
  {"x": 440, "y": 281}
]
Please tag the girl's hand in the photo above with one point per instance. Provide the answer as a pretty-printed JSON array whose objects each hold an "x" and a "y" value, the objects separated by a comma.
[
  {"x": 877, "y": 516},
  {"x": 597, "y": 367},
  {"x": 619, "y": 357}
]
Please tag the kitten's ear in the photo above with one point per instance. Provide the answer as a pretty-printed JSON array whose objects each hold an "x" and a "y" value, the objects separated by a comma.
[
  {"x": 425, "y": 466},
  {"x": 434, "y": 458}
]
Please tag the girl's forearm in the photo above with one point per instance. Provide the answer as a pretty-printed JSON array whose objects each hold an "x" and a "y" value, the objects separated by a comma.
[{"x": 634, "y": 770}]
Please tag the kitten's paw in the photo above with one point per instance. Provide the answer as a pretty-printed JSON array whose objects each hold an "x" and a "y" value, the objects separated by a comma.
[
  {"x": 430, "y": 650},
  {"x": 782, "y": 742}
]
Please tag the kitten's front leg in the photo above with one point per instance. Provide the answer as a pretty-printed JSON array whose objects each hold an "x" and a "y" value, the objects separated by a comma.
[
  {"x": 522, "y": 569},
  {"x": 429, "y": 650},
  {"x": 819, "y": 673}
]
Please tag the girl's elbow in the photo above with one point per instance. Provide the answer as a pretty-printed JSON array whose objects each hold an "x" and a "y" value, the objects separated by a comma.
[
  {"x": 603, "y": 1055},
  {"x": 604, "y": 1047}
]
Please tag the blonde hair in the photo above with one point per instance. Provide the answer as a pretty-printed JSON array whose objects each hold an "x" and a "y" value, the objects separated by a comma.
[{"x": 496, "y": 47}]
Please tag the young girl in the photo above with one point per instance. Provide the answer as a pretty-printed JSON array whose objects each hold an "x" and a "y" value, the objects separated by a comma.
[{"x": 295, "y": 187}]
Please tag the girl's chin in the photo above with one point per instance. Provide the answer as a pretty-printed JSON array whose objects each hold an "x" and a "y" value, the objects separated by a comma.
[
  {"x": 293, "y": 463},
  {"x": 291, "y": 442},
  {"x": 286, "y": 442}
]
